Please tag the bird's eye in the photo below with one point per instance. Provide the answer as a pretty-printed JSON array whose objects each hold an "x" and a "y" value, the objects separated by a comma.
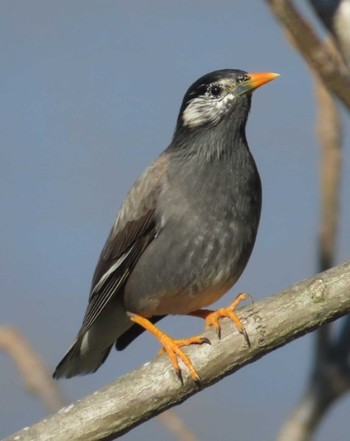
[{"x": 215, "y": 90}]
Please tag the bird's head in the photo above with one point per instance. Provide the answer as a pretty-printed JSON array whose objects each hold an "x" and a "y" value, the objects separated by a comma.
[{"x": 219, "y": 94}]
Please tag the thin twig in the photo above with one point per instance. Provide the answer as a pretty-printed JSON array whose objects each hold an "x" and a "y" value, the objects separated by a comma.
[
  {"x": 335, "y": 16},
  {"x": 319, "y": 58},
  {"x": 176, "y": 426},
  {"x": 330, "y": 377},
  {"x": 35, "y": 375},
  {"x": 329, "y": 131}
]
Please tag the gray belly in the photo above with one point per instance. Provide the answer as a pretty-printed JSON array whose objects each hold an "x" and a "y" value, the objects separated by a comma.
[
  {"x": 208, "y": 223},
  {"x": 187, "y": 268}
]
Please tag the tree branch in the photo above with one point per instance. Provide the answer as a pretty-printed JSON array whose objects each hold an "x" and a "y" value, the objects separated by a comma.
[
  {"x": 320, "y": 59},
  {"x": 38, "y": 381},
  {"x": 330, "y": 377},
  {"x": 154, "y": 387}
]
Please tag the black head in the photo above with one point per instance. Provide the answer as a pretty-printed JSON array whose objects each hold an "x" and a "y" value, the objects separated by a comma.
[{"x": 217, "y": 95}]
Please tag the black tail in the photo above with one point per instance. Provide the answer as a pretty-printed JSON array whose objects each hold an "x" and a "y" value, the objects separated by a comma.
[{"x": 76, "y": 363}]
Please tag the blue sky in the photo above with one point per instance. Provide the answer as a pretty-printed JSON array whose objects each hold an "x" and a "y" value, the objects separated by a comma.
[{"x": 90, "y": 92}]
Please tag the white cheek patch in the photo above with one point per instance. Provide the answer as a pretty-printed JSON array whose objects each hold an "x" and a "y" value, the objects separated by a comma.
[{"x": 206, "y": 109}]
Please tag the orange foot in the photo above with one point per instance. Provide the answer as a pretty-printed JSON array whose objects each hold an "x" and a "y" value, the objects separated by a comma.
[
  {"x": 212, "y": 317},
  {"x": 171, "y": 346}
]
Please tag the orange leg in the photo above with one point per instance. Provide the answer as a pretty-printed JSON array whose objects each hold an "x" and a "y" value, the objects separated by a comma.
[
  {"x": 171, "y": 346},
  {"x": 212, "y": 317}
]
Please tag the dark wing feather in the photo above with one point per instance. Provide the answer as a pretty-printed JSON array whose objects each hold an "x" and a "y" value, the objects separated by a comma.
[
  {"x": 129, "y": 336},
  {"x": 134, "y": 228}
]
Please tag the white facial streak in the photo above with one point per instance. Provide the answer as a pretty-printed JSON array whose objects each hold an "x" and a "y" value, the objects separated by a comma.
[{"x": 205, "y": 109}]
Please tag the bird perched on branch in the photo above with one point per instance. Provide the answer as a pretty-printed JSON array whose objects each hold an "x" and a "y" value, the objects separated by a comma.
[{"x": 184, "y": 233}]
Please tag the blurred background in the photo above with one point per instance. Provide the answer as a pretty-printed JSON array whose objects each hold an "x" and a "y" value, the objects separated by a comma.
[{"x": 89, "y": 95}]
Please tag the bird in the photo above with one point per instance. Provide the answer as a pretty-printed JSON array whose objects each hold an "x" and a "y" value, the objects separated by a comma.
[{"x": 183, "y": 234}]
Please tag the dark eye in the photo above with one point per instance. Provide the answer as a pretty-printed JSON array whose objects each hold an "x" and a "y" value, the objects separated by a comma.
[{"x": 215, "y": 90}]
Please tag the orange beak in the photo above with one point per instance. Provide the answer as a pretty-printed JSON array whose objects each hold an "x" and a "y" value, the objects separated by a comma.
[
  {"x": 260, "y": 78},
  {"x": 254, "y": 81}
]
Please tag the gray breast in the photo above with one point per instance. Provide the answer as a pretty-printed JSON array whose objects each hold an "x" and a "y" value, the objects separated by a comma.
[{"x": 208, "y": 213}]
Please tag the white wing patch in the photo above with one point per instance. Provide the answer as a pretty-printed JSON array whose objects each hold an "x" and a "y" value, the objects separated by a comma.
[{"x": 113, "y": 268}]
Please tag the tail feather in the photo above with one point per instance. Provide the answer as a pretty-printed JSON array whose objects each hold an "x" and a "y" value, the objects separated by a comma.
[
  {"x": 75, "y": 362},
  {"x": 91, "y": 348}
]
